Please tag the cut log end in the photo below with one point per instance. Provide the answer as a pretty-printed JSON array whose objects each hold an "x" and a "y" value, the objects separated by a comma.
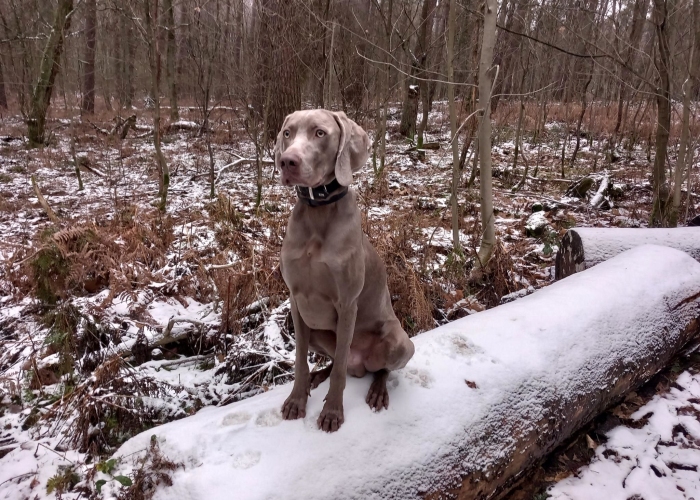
[{"x": 570, "y": 257}]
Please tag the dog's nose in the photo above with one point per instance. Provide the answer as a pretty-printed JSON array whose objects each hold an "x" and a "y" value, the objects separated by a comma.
[{"x": 290, "y": 161}]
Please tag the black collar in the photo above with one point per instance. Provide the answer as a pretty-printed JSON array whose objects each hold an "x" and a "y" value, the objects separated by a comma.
[{"x": 322, "y": 195}]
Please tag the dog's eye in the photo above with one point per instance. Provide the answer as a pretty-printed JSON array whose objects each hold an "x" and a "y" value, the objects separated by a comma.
[
  {"x": 320, "y": 133},
  {"x": 286, "y": 134}
]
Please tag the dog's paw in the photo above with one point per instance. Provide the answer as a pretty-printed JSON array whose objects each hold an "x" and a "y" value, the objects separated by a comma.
[
  {"x": 378, "y": 395},
  {"x": 331, "y": 418},
  {"x": 294, "y": 407}
]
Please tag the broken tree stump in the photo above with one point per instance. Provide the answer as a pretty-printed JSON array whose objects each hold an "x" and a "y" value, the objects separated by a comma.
[
  {"x": 584, "y": 247},
  {"x": 483, "y": 399}
]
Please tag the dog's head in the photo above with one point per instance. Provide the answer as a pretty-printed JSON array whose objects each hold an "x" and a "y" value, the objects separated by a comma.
[{"x": 317, "y": 145}]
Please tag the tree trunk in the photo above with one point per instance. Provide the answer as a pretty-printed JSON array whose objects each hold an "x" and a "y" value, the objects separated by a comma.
[
  {"x": 88, "y": 105},
  {"x": 3, "y": 95},
  {"x": 488, "y": 226},
  {"x": 424, "y": 41},
  {"x": 518, "y": 134},
  {"x": 585, "y": 247},
  {"x": 384, "y": 89},
  {"x": 484, "y": 399},
  {"x": 409, "y": 112},
  {"x": 170, "y": 64},
  {"x": 683, "y": 152},
  {"x": 584, "y": 105},
  {"x": 50, "y": 63},
  {"x": 451, "y": 21},
  {"x": 279, "y": 65},
  {"x": 659, "y": 214},
  {"x": 127, "y": 45},
  {"x": 151, "y": 15}
]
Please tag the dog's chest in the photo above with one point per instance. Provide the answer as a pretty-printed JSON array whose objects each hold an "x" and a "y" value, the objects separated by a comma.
[{"x": 305, "y": 265}]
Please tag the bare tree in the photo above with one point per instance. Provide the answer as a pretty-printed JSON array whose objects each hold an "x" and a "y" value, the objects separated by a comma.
[
  {"x": 88, "y": 105},
  {"x": 171, "y": 49},
  {"x": 692, "y": 81},
  {"x": 451, "y": 21},
  {"x": 3, "y": 94},
  {"x": 659, "y": 213},
  {"x": 50, "y": 61},
  {"x": 488, "y": 226}
]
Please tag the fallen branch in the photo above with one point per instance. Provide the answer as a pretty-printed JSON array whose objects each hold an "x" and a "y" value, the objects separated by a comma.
[
  {"x": 240, "y": 161},
  {"x": 44, "y": 204},
  {"x": 167, "y": 337}
]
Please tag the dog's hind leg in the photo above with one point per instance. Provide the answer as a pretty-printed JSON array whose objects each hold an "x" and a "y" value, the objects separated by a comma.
[{"x": 319, "y": 376}]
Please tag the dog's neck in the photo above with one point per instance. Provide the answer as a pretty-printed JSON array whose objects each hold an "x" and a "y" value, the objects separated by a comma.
[{"x": 321, "y": 195}]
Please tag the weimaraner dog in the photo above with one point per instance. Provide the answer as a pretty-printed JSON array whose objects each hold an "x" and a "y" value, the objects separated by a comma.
[{"x": 340, "y": 302}]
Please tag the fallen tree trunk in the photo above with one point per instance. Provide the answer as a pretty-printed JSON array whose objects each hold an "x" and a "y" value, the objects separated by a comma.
[
  {"x": 584, "y": 247},
  {"x": 483, "y": 399}
]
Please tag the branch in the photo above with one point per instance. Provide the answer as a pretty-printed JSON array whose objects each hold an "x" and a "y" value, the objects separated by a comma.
[
  {"x": 551, "y": 45},
  {"x": 44, "y": 204}
]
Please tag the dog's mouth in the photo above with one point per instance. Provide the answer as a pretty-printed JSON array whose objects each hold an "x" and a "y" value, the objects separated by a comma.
[{"x": 292, "y": 180}]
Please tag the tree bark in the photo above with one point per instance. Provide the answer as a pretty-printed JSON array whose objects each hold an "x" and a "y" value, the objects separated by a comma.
[
  {"x": 683, "y": 151},
  {"x": 279, "y": 66},
  {"x": 659, "y": 214},
  {"x": 3, "y": 94},
  {"x": 151, "y": 34},
  {"x": 125, "y": 63},
  {"x": 488, "y": 226},
  {"x": 425, "y": 38},
  {"x": 583, "y": 248},
  {"x": 451, "y": 21},
  {"x": 50, "y": 63},
  {"x": 88, "y": 104},
  {"x": 171, "y": 66},
  {"x": 385, "y": 90}
]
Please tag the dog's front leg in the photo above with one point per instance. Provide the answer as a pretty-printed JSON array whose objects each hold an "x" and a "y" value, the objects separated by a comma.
[
  {"x": 295, "y": 405},
  {"x": 331, "y": 417}
]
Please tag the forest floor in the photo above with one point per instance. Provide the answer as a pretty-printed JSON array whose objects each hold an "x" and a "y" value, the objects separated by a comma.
[{"x": 87, "y": 355}]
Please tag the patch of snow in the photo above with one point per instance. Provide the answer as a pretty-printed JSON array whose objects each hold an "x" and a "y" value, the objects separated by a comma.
[{"x": 659, "y": 461}]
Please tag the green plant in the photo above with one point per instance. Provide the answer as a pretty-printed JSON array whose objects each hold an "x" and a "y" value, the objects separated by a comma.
[
  {"x": 50, "y": 270},
  {"x": 549, "y": 239},
  {"x": 107, "y": 467},
  {"x": 65, "y": 480},
  {"x": 4, "y": 178},
  {"x": 63, "y": 323}
]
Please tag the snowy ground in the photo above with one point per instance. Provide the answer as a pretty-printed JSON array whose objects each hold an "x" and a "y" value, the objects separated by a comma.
[
  {"x": 141, "y": 269},
  {"x": 660, "y": 460}
]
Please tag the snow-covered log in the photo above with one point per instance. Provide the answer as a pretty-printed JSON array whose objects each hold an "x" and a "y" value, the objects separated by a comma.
[
  {"x": 583, "y": 247},
  {"x": 483, "y": 399}
]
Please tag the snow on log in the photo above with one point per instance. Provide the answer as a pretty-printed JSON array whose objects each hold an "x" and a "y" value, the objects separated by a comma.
[
  {"x": 484, "y": 397},
  {"x": 599, "y": 198},
  {"x": 584, "y": 247}
]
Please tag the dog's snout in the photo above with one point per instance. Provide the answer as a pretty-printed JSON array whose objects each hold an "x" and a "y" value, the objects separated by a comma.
[{"x": 290, "y": 161}]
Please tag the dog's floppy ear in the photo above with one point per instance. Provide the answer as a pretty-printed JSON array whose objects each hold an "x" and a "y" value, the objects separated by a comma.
[
  {"x": 353, "y": 149},
  {"x": 278, "y": 144}
]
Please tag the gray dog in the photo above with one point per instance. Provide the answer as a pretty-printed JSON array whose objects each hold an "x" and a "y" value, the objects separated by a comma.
[{"x": 340, "y": 302}]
